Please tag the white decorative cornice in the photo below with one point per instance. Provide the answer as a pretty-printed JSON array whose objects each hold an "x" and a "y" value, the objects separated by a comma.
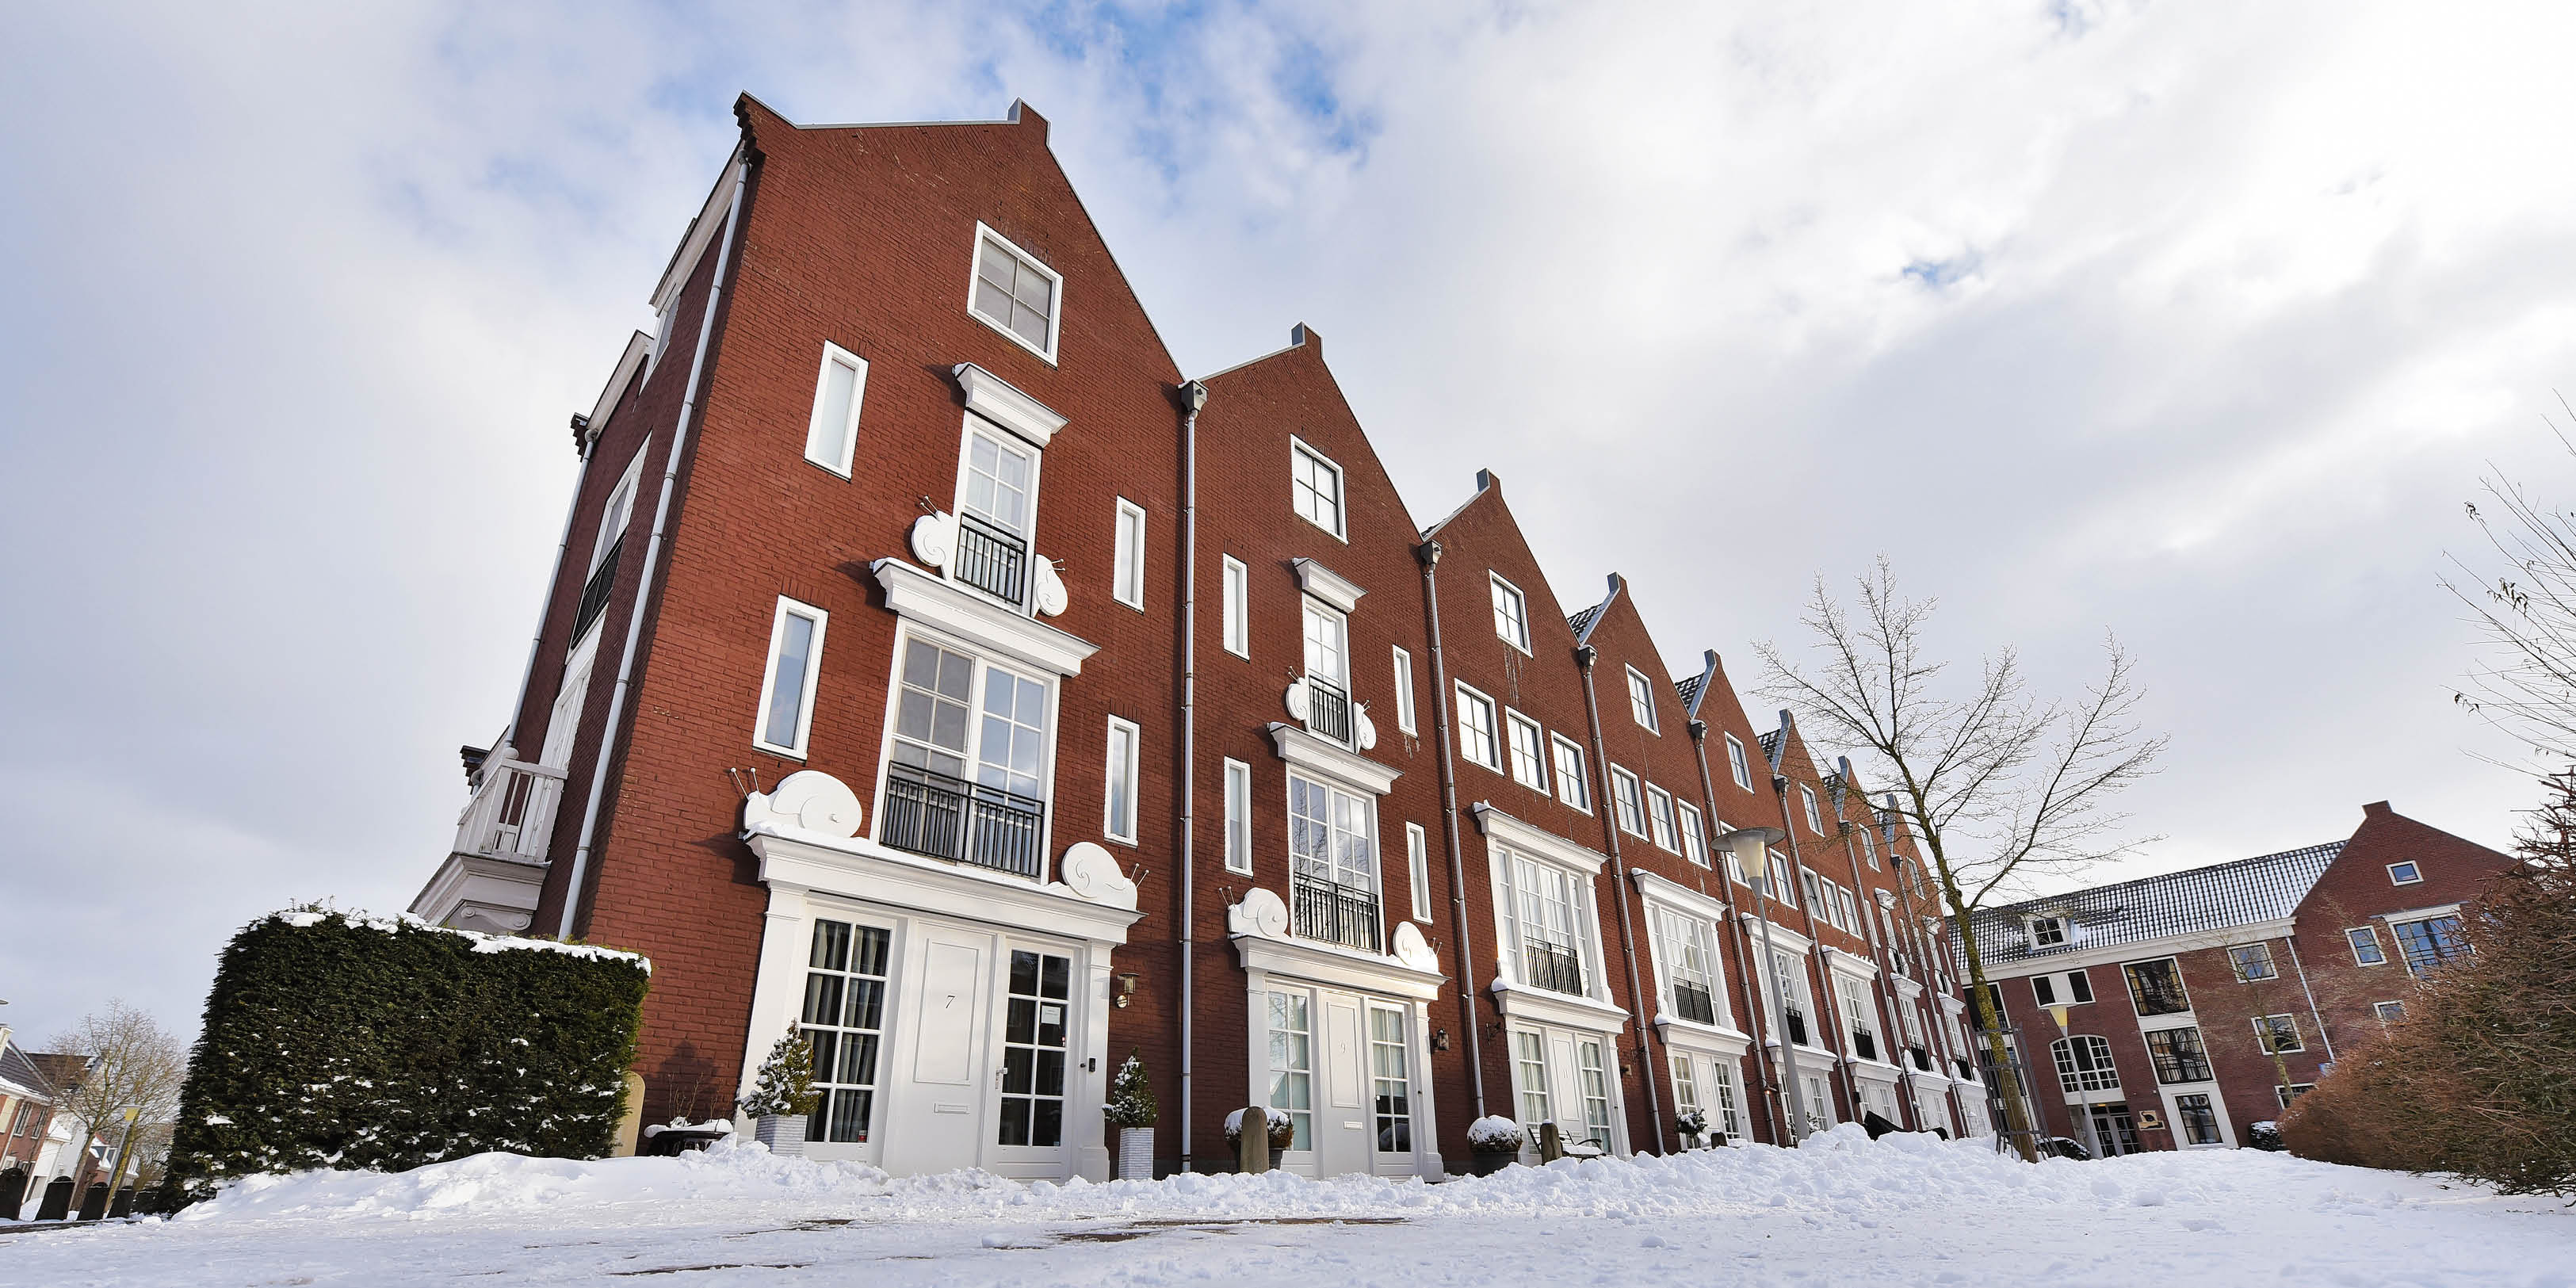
[
  {"x": 915, "y": 594},
  {"x": 1523, "y": 1003},
  {"x": 994, "y": 399},
  {"x": 1691, "y": 1035},
  {"x": 1512, "y": 832},
  {"x": 1325, "y": 584},
  {"x": 1314, "y": 755},
  {"x": 1850, "y": 963},
  {"x": 1780, "y": 935},
  {"x": 1668, "y": 891},
  {"x": 1259, "y": 927},
  {"x": 861, "y": 869}
]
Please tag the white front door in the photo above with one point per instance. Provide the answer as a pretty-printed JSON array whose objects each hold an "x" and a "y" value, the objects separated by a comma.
[
  {"x": 1390, "y": 1074},
  {"x": 1034, "y": 1037},
  {"x": 942, "y": 1091}
]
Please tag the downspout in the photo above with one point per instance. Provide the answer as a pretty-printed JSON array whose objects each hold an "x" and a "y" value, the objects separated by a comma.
[
  {"x": 508, "y": 746},
  {"x": 1195, "y": 395},
  {"x": 653, "y": 551},
  {"x": 2322, "y": 1035},
  {"x": 1734, "y": 930},
  {"x": 1428, "y": 555},
  {"x": 1583, "y": 657}
]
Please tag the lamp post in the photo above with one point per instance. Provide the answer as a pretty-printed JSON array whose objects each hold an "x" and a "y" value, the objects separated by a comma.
[
  {"x": 1751, "y": 849},
  {"x": 124, "y": 1151}
]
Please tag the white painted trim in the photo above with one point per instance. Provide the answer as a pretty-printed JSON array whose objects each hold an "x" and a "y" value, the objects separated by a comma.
[
  {"x": 1639, "y": 680},
  {"x": 1739, "y": 763},
  {"x": 848, "y": 432},
  {"x": 1617, "y": 773},
  {"x": 1706, "y": 1039},
  {"x": 859, "y": 868},
  {"x": 639, "y": 347},
  {"x": 694, "y": 242},
  {"x": 1780, "y": 935},
  {"x": 1341, "y": 488},
  {"x": 1331, "y": 761},
  {"x": 1117, "y": 829},
  {"x": 922, "y": 596},
  {"x": 2136, "y": 951},
  {"x": 1679, "y": 897},
  {"x": 1850, "y": 964},
  {"x": 1331, "y": 587},
  {"x": 1001, "y": 402},
  {"x": 1226, "y": 812},
  {"x": 1538, "y": 842},
  {"x": 1055, "y": 310},
  {"x": 1581, "y": 780},
  {"x": 2416, "y": 864},
  {"x": 1541, "y": 751},
  {"x": 1123, "y": 552},
  {"x": 1417, "y": 870},
  {"x": 2355, "y": 949},
  {"x": 1500, "y": 582},
  {"x": 769, "y": 678},
  {"x": 1465, "y": 694},
  {"x": 1235, "y": 630},
  {"x": 1333, "y": 964},
  {"x": 1403, "y": 664},
  {"x": 1521, "y": 1002}
]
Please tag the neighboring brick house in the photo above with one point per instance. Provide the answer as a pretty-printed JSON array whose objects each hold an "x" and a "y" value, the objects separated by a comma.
[
  {"x": 27, "y": 1099},
  {"x": 2184, "y": 988},
  {"x": 929, "y": 664}
]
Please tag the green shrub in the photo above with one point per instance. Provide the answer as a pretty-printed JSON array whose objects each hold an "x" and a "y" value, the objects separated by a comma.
[{"x": 336, "y": 1040}]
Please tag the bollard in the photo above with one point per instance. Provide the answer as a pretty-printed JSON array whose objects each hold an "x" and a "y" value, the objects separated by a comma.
[
  {"x": 630, "y": 1119},
  {"x": 13, "y": 1192},
  {"x": 94, "y": 1201},
  {"x": 1252, "y": 1147},
  {"x": 1551, "y": 1143},
  {"x": 57, "y": 1204}
]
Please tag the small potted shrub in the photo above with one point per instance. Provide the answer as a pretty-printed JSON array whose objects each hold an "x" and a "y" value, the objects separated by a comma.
[
  {"x": 1693, "y": 1126},
  {"x": 783, "y": 1096},
  {"x": 1132, "y": 1111},
  {"x": 1496, "y": 1144}
]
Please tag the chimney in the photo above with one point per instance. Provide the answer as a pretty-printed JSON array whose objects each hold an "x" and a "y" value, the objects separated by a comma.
[{"x": 2376, "y": 809}]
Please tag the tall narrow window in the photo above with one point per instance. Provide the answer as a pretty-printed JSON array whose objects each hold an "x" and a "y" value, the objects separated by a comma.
[
  {"x": 787, "y": 689},
  {"x": 833, "y": 430},
  {"x": 1736, "y": 765},
  {"x": 1659, "y": 815},
  {"x": 1479, "y": 740},
  {"x": 1722, "y": 1081},
  {"x": 1015, "y": 294},
  {"x": 1592, "y": 1077},
  {"x": 843, "y": 1021},
  {"x": 1529, "y": 1058},
  {"x": 1332, "y": 856},
  {"x": 2365, "y": 946},
  {"x": 1404, "y": 691},
  {"x": 1238, "y": 607},
  {"x": 1511, "y": 613},
  {"x": 1529, "y": 764},
  {"x": 1292, "y": 1065},
  {"x": 1389, "y": 1084},
  {"x": 1315, "y": 488},
  {"x": 1815, "y": 820},
  {"x": 1641, "y": 699},
  {"x": 605, "y": 548},
  {"x": 1328, "y": 676},
  {"x": 1546, "y": 907},
  {"x": 2199, "y": 1121},
  {"x": 1238, "y": 816},
  {"x": 997, "y": 507},
  {"x": 1121, "y": 804},
  {"x": 1129, "y": 561},
  {"x": 1869, "y": 849},
  {"x": 1571, "y": 785},
  {"x": 1694, "y": 836},
  {"x": 1417, "y": 864},
  {"x": 1629, "y": 800}
]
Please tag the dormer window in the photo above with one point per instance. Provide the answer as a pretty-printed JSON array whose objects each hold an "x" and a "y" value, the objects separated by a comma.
[
  {"x": 1015, "y": 294},
  {"x": 2047, "y": 932},
  {"x": 1315, "y": 488}
]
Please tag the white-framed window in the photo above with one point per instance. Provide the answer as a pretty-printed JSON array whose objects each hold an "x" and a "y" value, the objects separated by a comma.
[
  {"x": 1529, "y": 1055},
  {"x": 1479, "y": 737},
  {"x": 832, "y": 432},
  {"x": 1292, "y": 1064},
  {"x": 2366, "y": 948},
  {"x": 1694, "y": 835},
  {"x": 967, "y": 731},
  {"x": 1692, "y": 982},
  {"x": 1547, "y": 935},
  {"x": 1592, "y": 1081},
  {"x": 2084, "y": 1063},
  {"x": 1789, "y": 984},
  {"x": 1685, "y": 1087},
  {"x": 1869, "y": 849},
  {"x": 1529, "y": 764},
  {"x": 1659, "y": 817},
  {"x": 997, "y": 501},
  {"x": 1403, "y": 690},
  {"x": 1328, "y": 664},
  {"x": 2278, "y": 1034},
  {"x": 1857, "y": 1018},
  {"x": 1238, "y": 816},
  {"x": 1815, "y": 819},
  {"x": 2047, "y": 932},
  {"x": 1128, "y": 582},
  {"x": 1119, "y": 803},
  {"x": 1238, "y": 608},
  {"x": 1629, "y": 799},
  {"x": 2429, "y": 942},
  {"x": 1332, "y": 852},
  {"x": 1722, "y": 1082},
  {"x": 844, "y": 1021},
  {"x": 1014, "y": 294},
  {"x": 607, "y": 543},
  {"x": 2073, "y": 988},
  {"x": 2292, "y": 1092},
  {"x": 2251, "y": 962},
  {"x": 1784, "y": 889},
  {"x": 787, "y": 686},
  {"x": 2388, "y": 1012},
  {"x": 1572, "y": 786},
  {"x": 1641, "y": 700},
  {"x": 1737, "y": 764},
  {"x": 1315, "y": 488},
  {"x": 1417, "y": 864},
  {"x": 1816, "y": 902},
  {"x": 2406, "y": 873},
  {"x": 2156, "y": 987},
  {"x": 1511, "y": 613}
]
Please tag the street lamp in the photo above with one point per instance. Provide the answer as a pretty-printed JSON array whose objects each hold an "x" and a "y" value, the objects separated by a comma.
[{"x": 1751, "y": 849}]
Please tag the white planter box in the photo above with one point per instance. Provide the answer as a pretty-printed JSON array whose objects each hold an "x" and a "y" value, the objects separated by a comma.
[
  {"x": 1135, "y": 1153},
  {"x": 784, "y": 1135}
]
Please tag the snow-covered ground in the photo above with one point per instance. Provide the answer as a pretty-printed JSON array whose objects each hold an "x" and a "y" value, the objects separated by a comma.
[{"x": 1842, "y": 1209}]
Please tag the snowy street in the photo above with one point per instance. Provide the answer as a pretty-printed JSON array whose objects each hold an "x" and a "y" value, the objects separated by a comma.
[{"x": 1840, "y": 1210}]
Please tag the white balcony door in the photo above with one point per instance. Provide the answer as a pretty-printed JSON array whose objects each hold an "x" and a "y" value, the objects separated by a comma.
[{"x": 1327, "y": 653}]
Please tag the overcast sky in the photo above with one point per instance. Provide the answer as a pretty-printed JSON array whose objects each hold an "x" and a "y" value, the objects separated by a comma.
[{"x": 2193, "y": 322}]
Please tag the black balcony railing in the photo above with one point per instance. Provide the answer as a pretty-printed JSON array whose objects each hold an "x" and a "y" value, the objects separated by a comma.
[
  {"x": 1922, "y": 1058},
  {"x": 991, "y": 559},
  {"x": 1553, "y": 967},
  {"x": 594, "y": 593},
  {"x": 1335, "y": 914},
  {"x": 1328, "y": 709},
  {"x": 1865, "y": 1044},
  {"x": 1797, "y": 1021},
  {"x": 1692, "y": 1002},
  {"x": 951, "y": 818}
]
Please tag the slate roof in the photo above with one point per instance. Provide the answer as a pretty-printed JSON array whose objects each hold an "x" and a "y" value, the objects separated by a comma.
[
  {"x": 1770, "y": 742},
  {"x": 2242, "y": 892},
  {"x": 1582, "y": 621},
  {"x": 1688, "y": 687},
  {"x": 21, "y": 1075}
]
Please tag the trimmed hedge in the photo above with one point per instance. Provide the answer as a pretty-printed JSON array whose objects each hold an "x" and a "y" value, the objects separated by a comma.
[{"x": 334, "y": 1040}]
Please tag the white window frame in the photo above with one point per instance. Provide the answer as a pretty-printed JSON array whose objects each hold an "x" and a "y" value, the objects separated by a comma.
[
  {"x": 1574, "y": 789},
  {"x": 2263, "y": 1034},
  {"x": 1815, "y": 816},
  {"x": 1660, "y": 820},
  {"x": 984, "y": 660},
  {"x": 2354, "y": 945},
  {"x": 846, "y": 433},
  {"x": 1417, "y": 861},
  {"x": 1694, "y": 827},
  {"x": 1582, "y": 914},
  {"x": 2379, "y": 1011},
  {"x": 1116, "y": 828},
  {"x": 2237, "y": 966},
  {"x": 1738, "y": 765},
  {"x": 1127, "y": 562},
  {"x": 2031, "y": 926},
  {"x": 974, "y": 275},
  {"x": 1641, "y": 701},
  {"x": 1515, "y": 725},
  {"x": 769, "y": 678},
  {"x": 2411, "y": 866},
  {"x": 1470, "y": 698},
  {"x": 1004, "y": 440},
  {"x": 1238, "y": 608},
  {"x": 1633, "y": 802},
  {"x": 1403, "y": 664},
  {"x": 1341, "y": 526},
  {"x": 1511, "y": 627},
  {"x": 1238, "y": 817}
]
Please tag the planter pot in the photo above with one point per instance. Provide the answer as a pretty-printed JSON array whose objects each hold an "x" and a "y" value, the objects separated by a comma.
[
  {"x": 784, "y": 1134},
  {"x": 1487, "y": 1162},
  {"x": 1135, "y": 1153}
]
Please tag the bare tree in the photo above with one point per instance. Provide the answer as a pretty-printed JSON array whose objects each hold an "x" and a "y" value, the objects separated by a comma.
[
  {"x": 2526, "y": 614},
  {"x": 132, "y": 1064},
  {"x": 2001, "y": 787}
]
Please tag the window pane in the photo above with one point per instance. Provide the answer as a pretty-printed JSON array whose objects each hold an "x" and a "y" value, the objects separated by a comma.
[
  {"x": 827, "y": 436},
  {"x": 787, "y": 691}
]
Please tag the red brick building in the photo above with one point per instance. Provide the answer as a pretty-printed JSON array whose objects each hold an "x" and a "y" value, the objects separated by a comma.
[
  {"x": 2189, "y": 995},
  {"x": 931, "y": 664}
]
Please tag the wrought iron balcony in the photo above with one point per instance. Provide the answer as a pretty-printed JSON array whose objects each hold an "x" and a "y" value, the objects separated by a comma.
[
  {"x": 991, "y": 559},
  {"x": 1692, "y": 1002},
  {"x": 1554, "y": 967},
  {"x": 1797, "y": 1021},
  {"x": 1864, "y": 1044},
  {"x": 1328, "y": 709},
  {"x": 951, "y": 818},
  {"x": 1333, "y": 913},
  {"x": 1922, "y": 1058},
  {"x": 594, "y": 593}
]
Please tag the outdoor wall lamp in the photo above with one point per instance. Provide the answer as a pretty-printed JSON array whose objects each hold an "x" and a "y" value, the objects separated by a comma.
[
  {"x": 1439, "y": 1039},
  {"x": 1125, "y": 991}
]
